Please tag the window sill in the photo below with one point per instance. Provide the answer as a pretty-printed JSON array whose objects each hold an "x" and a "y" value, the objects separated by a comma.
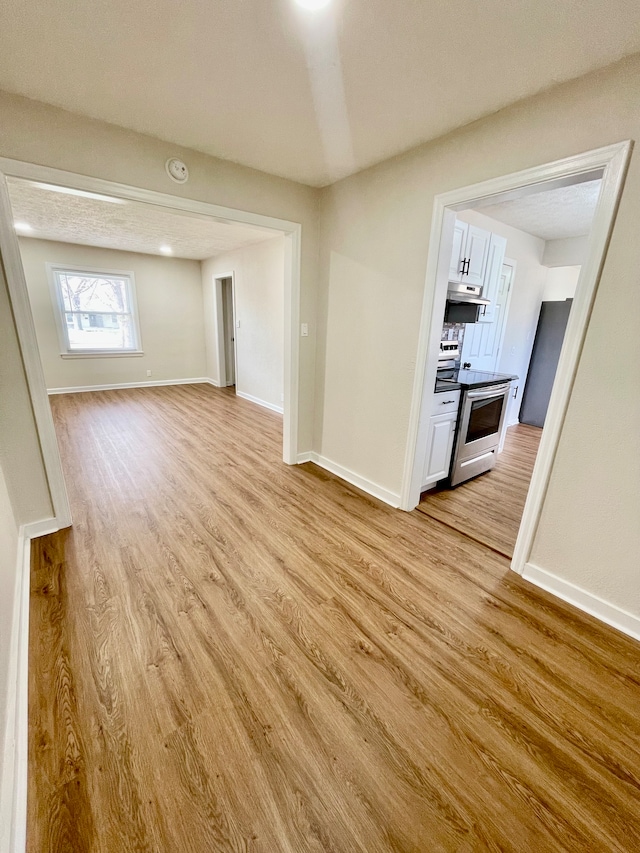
[{"x": 125, "y": 354}]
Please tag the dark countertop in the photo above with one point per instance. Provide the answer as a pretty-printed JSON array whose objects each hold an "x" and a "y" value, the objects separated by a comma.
[{"x": 466, "y": 379}]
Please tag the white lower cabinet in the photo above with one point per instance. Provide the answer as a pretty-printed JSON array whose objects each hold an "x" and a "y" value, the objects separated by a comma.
[{"x": 442, "y": 428}]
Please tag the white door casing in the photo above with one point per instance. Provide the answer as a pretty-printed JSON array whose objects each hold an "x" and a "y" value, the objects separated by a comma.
[
  {"x": 24, "y": 320},
  {"x": 610, "y": 164}
]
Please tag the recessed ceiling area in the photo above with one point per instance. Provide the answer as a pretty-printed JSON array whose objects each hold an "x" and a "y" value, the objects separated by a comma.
[
  {"x": 312, "y": 95},
  {"x": 553, "y": 214},
  {"x": 124, "y": 225}
]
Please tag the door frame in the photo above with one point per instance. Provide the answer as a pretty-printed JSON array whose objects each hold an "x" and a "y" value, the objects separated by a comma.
[
  {"x": 610, "y": 163},
  {"x": 25, "y": 327},
  {"x": 218, "y": 307}
]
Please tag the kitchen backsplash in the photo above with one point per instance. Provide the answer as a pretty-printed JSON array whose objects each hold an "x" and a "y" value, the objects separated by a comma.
[{"x": 453, "y": 332}]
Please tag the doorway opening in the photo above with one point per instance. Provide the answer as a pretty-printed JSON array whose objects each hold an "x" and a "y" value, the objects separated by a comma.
[
  {"x": 60, "y": 185},
  {"x": 227, "y": 333},
  {"x": 492, "y": 341}
]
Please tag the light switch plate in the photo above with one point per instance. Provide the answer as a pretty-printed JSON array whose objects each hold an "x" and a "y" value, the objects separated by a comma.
[{"x": 304, "y": 330}]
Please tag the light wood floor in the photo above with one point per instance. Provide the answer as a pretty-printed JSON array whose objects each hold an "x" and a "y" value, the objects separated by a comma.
[
  {"x": 228, "y": 654},
  {"x": 489, "y": 508}
]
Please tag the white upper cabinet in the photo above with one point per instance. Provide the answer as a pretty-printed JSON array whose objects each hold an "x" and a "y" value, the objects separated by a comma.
[
  {"x": 469, "y": 254},
  {"x": 477, "y": 255},
  {"x": 476, "y": 259},
  {"x": 497, "y": 249},
  {"x": 458, "y": 257}
]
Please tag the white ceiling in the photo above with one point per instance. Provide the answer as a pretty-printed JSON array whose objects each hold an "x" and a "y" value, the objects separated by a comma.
[
  {"x": 551, "y": 215},
  {"x": 310, "y": 96},
  {"x": 130, "y": 226}
]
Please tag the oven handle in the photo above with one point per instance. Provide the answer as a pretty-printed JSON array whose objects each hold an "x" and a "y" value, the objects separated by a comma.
[{"x": 489, "y": 391}]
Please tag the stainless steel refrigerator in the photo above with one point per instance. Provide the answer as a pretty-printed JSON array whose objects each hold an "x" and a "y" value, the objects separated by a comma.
[{"x": 552, "y": 324}]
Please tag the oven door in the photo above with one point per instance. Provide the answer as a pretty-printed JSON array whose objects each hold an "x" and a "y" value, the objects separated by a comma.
[
  {"x": 481, "y": 421},
  {"x": 482, "y": 417}
]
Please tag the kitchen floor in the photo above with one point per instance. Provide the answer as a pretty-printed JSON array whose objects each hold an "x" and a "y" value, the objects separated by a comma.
[{"x": 489, "y": 508}]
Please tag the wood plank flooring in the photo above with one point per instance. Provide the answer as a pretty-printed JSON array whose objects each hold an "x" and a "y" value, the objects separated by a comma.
[
  {"x": 229, "y": 654},
  {"x": 489, "y": 508}
]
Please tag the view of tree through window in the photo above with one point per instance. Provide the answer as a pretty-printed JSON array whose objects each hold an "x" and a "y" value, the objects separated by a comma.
[{"x": 98, "y": 313}]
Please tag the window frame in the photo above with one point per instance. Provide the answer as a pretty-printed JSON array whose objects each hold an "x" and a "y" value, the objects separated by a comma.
[{"x": 60, "y": 312}]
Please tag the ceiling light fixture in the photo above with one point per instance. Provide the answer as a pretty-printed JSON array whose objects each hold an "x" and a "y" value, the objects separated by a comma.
[
  {"x": 313, "y": 5},
  {"x": 166, "y": 250},
  {"x": 24, "y": 227},
  {"x": 82, "y": 193}
]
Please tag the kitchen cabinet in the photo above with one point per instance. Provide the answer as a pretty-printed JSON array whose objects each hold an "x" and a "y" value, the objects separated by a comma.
[
  {"x": 493, "y": 271},
  {"x": 441, "y": 432},
  {"x": 470, "y": 254},
  {"x": 458, "y": 257}
]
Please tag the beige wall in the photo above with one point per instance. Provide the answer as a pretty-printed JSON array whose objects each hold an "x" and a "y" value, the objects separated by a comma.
[
  {"x": 259, "y": 296},
  {"x": 570, "y": 251},
  {"x": 375, "y": 233},
  {"x": 561, "y": 283},
  {"x": 169, "y": 297}
]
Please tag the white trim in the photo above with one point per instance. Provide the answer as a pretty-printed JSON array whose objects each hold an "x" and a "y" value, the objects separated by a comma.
[
  {"x": 373, "y": 489},
  {"x": 13, "y": 784},
  {"x": 41, "y": 528},
  {"x": 128, "y": 353},
  {"x": 26, "y": 332},
  {"x": 260, "y": 402},
  {"x": 80, "y": 389},
  {"x": 24, "y": 320},
  {"x": 611, "y": 162},
  {"x": 584, "y": 600},
  {"x": 292, "y": 261}
]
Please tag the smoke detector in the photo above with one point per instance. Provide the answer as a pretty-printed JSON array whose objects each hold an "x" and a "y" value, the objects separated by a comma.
[{"x": 177, "y": 170}]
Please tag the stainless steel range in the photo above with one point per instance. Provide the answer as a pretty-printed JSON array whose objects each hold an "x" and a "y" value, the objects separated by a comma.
[
  {"x": 483, "y": 408},
  {"x": 480, "y": 421}
]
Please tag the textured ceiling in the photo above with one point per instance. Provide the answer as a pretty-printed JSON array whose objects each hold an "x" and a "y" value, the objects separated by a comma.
[
  {"x": 551, "y": 215},
  {"x": 311, "y": 96},
  {"x": 130, "y": 226}
]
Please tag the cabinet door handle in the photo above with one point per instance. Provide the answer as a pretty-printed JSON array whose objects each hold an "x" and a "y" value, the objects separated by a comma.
[
  {"x": 465, "y": 266},
  {"x": 446, "y": 402},
  {"x": 462, "y": 263}
]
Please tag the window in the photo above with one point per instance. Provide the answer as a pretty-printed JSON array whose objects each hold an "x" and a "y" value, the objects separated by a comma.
[{"x": 97, "y": 311}]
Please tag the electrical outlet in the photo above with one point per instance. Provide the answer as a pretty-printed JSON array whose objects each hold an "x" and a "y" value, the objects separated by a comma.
[
  {"x": 148, "y": 373},
  {"x": 304, "y": 330}
]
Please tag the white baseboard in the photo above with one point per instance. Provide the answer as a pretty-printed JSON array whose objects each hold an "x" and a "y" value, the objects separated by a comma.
[
  {"x": 260, "y": 402},
  {"x": 79, "y": 389},
  {"x": 13, "y": 782},
  {"x": 584, "y": 600},
  {"x": 362, "y": 483}
]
